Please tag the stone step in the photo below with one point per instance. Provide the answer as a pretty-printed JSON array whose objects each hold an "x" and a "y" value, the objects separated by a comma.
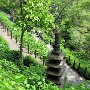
[
  {"x": 53, "y": 73},
  {"x": 54, "y": 79},
  {"x": 56, "y": 57},
  {"x": 53, "y": 65}
]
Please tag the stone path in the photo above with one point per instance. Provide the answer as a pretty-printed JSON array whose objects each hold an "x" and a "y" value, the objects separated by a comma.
[{"x": 72, "y": 76}]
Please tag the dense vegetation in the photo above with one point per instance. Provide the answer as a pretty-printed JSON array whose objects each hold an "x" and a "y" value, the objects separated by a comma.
[
  {"x": 13, "y": 78},
  {"x": 72, "y": 20},
  {"x": 31, "y": 78},
  {"x": 41, "y": 48}
]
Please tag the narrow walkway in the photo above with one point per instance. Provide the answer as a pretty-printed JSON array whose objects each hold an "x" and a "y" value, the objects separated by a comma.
[{"x": 72, "y": 75}]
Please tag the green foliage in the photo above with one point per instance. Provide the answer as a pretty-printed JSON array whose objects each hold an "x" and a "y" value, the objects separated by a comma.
[
  {"x": 73, "y": 21},
  {"x": 13, "y": 55},
  {"x": 10, "y": 81},
  {"x": 12, "y": 78},
  {"x": 6, "y": 53},
  {"x": 87, "y": 47},
  {"x": 83, "y": 63},
  {"x": 40, "y": 46},
  {"x": 34, "y": 14},
  {"x": 3, "y": 45},
  {"x": 82, "y": 86},
  {"x": 10, "y": 55},
  {"x": 85, "y": 4},
  {"x": 75, "y": 25},
  {"x": 4, "y": 18},
  {"x": 32, "y": 78},
  {"x": 28, "y": 61},
  {"x": 9, "y": 66}
]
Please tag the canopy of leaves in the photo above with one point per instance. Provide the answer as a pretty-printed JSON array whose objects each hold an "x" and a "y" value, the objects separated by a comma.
[{"x": 35, "y": 13}]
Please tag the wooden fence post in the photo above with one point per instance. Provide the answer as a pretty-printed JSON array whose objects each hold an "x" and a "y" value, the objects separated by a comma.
[
  {"x": 28, "y": 47},
  {"x": 11, "y": 34},
  {"x": 35, "y": 54},
  {"x": 5, "y": 29},
  {"x": 69, "y": 60},
  {"x": 50, "y": 42},
  {"x": 85, "y": 71},
  {"x": 7, "y": 32},
  {"x": 43, "y": 60},
  {"x": 74, "y": 64},
  {"x": 16, "y": 38},
  {"x": 78, "y": 66}
]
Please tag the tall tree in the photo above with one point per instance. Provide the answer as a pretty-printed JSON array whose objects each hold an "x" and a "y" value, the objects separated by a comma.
[{"x": 33, "y": 13}]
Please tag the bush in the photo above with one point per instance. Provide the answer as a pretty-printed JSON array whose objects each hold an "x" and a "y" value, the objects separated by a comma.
[
  {"x": 13, "y": 55},
  {"x": 10, "y": 55},
  {"x": 29, "y": 61}
]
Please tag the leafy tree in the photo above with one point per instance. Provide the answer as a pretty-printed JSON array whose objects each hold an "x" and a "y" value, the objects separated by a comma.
[
  {"x": 28, "y": 14},
  {"x": 33, "y": 13}
]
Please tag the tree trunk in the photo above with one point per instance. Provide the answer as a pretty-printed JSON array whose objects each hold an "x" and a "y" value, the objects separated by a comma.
[
  {"x": 21, "y": 46},
  {"x": 22, "y": 34}
]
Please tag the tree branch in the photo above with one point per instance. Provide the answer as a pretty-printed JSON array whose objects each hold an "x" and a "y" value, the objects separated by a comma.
[{"x": 63, "y": 9}]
